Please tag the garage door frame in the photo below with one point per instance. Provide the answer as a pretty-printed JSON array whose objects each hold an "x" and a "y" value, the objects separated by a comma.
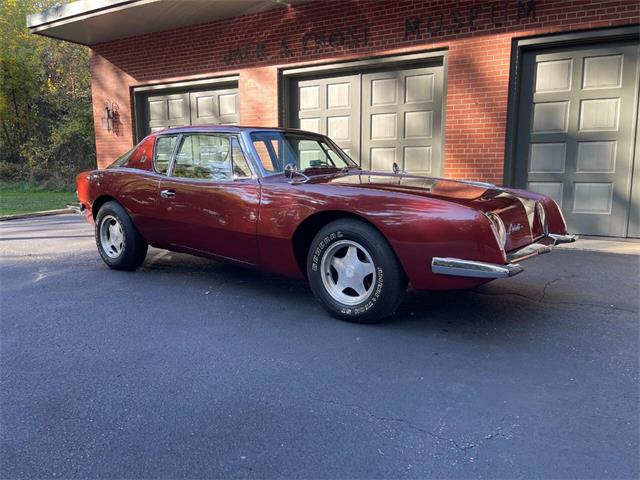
[
  {"x": 138, "y": 94},
  {"x": 289, "y": 74},
  {"x": 575, "y": 39}
]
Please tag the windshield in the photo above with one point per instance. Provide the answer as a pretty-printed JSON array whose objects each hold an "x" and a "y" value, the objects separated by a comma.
[{"x": 279, "y": 149}]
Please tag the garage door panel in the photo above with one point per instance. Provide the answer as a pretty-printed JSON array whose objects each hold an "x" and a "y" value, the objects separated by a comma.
[
  {"x": 217, "y": 106},
  {"x": 339, "y": 95},
  {"x": 576, "y": 130},
  {"x": 602, "y": 71},
  {"x": 549, "y": 188},
  {"x": 419, "y": 88},
  {"x": 383, "y": 158},
  {"x": 164, "y": 111},
  {"x": 379, "y": 118},
  {"x": 554, "y": 75},
  {"x": 220, "y": 106},
  {"x": 418, "y": 124},
  {"x": 547, "y": 157},
  {"x": 339, "y": 128},
  {"x": 596, "y": 156},
  {"x": 330, "y": 106},
  {"x": 403, "y": 106}
]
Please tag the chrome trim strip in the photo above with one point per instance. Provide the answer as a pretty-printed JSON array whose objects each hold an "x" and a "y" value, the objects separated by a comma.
[
  {"x": 76, "y": 207},
  {"x": 470, "y": 268},
  {"x": 544, "y": 245},
  {"x": 563, "y": 238}
]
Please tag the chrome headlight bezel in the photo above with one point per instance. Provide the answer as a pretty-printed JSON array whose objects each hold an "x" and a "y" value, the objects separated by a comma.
[{"x": 497, "y": 225}]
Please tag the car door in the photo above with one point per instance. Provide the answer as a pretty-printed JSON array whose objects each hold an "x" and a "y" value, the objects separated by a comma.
[
  {"x": 210, "y": 198},
  {"x": 139, "y": 190}
]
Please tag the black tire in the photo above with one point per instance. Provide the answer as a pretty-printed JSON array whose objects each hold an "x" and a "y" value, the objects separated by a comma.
[
  {"x": 132, "y": 247},
  {"x": 384, "y": 288}
]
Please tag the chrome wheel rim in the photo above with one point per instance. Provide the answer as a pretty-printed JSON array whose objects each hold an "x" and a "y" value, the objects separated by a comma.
[
  {"x": 348, "y": 272},
  {"x": 111, "y": 236}
]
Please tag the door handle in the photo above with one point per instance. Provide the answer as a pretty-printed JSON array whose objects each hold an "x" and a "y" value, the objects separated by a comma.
[{"x": 167, "y": 193}]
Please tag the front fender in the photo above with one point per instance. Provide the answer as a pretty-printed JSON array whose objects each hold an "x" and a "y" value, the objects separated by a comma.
[
  {"x": 439, "y": 229},
  {"x": 417, "y": 228}
]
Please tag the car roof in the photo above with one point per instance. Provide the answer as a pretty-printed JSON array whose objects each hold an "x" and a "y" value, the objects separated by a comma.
[{"x": 227, "y": 129}]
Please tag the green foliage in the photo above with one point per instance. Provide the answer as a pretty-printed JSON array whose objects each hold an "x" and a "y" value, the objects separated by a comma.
[
  {"x": 23, "y": 201},
  {"x": 46, "y": 123}
]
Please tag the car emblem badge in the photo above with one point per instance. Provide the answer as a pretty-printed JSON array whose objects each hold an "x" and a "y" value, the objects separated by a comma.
[{"x": 515, "y": 227}]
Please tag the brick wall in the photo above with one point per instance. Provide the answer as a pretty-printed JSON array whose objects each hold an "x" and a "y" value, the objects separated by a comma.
[{"x": 477, "y": 34}]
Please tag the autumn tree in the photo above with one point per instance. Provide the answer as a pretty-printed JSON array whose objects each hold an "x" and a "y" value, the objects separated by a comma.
[{"x": 46, "y": 124}]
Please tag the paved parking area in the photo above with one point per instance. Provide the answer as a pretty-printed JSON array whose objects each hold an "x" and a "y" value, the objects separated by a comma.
[{"x": 192, "y": 368}]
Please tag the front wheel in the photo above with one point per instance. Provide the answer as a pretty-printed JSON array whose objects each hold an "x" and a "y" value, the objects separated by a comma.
[
  {"x": 354, "y": 273},
  {"x": 120, "y": 244}
]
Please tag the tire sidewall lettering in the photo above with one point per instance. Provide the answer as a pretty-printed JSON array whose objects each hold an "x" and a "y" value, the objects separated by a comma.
[
  {"x": 368, "y": 304},
  {"x": 325, "y": 242}
]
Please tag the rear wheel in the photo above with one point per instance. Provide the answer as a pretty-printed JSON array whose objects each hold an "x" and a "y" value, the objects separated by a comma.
[
  {"x": 119, "y": 243},
  {"x": 354, "y": 273}
]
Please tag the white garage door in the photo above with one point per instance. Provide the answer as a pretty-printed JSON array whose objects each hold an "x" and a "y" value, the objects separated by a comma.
[
  {"x": 220, "y": 106},
  {"x": 378, "y": 118}
]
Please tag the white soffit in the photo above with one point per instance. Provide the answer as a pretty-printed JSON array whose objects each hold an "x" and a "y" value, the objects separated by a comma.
[{"x": 90, "y": 22}]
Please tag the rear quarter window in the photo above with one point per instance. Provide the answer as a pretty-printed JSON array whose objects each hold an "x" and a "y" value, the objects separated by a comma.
[
  {"x": 142, "y": 156},
  {"x": 122, "y": 160}
]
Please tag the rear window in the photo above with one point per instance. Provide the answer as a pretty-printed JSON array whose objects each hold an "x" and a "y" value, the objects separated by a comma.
[{"x": 122, "y": 160}]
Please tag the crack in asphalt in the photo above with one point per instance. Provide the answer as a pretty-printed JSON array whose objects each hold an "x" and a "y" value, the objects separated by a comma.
[
  {"x": 462, "y": 447},
  {"x": 547, "y": 285},
  {"x": 541, "y": 298}
]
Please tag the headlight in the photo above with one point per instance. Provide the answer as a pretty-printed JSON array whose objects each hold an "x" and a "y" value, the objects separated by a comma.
[
  {"x": 498, "y": 228},
  {"x": 542, "y": 216}
]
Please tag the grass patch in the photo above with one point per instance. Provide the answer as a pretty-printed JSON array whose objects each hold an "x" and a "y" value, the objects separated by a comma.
[{"x": 25, "y": 199}]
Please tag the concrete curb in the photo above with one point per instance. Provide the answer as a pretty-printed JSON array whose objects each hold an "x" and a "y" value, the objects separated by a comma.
[
  {"x": 44, "y": 213},
  {"x": 604, "y": 245}
]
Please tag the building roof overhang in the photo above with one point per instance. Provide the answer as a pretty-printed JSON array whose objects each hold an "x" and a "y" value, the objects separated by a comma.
[{"x": 89, "y": 22}]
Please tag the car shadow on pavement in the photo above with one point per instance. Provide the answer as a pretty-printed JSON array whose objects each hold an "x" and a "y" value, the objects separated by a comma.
[{"x": 486, "y": 308}]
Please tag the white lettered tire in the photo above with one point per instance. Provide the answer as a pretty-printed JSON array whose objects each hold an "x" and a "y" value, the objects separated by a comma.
[{"x": 354, "y": 273}]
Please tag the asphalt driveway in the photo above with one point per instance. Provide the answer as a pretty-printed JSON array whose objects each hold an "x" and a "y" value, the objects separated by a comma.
[{"x": 192, "y": 368}]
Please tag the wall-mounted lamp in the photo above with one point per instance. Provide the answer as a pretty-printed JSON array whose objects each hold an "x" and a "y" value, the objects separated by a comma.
[{"x": 109, "y": 115}]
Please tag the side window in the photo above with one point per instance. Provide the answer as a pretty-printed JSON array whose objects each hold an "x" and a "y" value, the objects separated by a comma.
[
  {"x": 204, "y": 157},
  {"x": 162, "y": 153}
]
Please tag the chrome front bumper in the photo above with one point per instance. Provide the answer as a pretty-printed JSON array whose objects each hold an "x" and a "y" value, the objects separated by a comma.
[{"x": 471, "y": 268}]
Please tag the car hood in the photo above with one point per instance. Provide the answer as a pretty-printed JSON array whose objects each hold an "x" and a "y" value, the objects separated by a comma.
[
  {"x": 458, "y": 191},
  {"x": 516, "y": 208}
]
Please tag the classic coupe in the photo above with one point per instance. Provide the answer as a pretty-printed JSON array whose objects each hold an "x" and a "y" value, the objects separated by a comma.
[{"x": 293, "y": 203}]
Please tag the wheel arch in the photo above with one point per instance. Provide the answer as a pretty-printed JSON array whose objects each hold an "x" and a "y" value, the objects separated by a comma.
[
  {"x": 99, "y": 202},
  {"x": 310, "y": 226}
]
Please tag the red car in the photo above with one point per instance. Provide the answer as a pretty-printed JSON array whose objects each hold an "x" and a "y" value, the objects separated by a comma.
[{"x": 293, "y": 203}]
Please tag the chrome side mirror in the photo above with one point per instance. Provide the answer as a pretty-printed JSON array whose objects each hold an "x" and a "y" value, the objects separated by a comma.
[{"x": 290, "y": 170}]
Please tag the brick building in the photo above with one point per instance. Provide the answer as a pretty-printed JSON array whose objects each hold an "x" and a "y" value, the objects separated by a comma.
[{"x": 538, "y": 94}]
